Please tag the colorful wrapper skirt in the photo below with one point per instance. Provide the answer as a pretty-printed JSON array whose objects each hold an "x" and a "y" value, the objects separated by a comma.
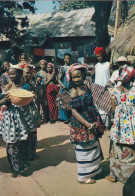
[{"x": 122, "y": 161}]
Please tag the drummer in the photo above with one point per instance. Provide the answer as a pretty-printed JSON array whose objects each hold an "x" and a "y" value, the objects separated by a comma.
[{"x": 15, "y": 124}]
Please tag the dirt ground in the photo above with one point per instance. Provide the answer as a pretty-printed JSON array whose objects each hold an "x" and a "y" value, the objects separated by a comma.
[{"x": 55, "y": 172}]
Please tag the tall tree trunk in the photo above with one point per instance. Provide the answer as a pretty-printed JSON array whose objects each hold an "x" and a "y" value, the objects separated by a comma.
[{"x": 101, "y": 17}]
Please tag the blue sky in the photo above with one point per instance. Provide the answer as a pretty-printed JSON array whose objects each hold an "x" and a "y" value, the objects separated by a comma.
[{"x": 44, "y": 6}]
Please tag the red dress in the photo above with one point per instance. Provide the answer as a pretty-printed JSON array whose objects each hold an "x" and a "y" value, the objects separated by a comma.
[{"x": 51, "y": 93}]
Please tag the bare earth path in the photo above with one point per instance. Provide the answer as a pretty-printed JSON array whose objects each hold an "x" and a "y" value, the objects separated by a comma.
[{"x": 55, "y": 172}]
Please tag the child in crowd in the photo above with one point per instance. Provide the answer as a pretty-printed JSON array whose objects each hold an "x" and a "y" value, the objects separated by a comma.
[
  {"x": 42, "y": 74},
  {"x": 40, "y": 95},
  {"x": 51, "y": 92},
  {"x": 86, "y": 127},
  {"x": 24, "y": 58},
  {"x": 16, "y": 124},
  {"x": 28, "y": 85},
  {"x": 25, "y": 61},
  {"x": 4, "y": 79},
  {"x": 64, "y": 82}
]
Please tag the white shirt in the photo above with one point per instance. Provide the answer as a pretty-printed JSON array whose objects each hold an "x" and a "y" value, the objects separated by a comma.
[
  {"x": 102, "y": 76},
  {"x": 114, "y": 78},
  {"x": 102, "y": 73}
]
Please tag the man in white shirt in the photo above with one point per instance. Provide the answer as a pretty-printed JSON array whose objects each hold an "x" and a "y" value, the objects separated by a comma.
[{"x": 102, "y": 76}]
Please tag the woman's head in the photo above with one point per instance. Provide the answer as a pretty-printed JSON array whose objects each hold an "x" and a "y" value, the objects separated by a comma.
[
  {"x": 23, "y": 57},
  {"x": 127, "y": 74},
  {"x": 6, "y": 65},
  {"x": 78, "y": 74},
  {"x": 27, "y": 73},
  {"x": 50, "y": 68},
  {"x": 15, "y": 73},
  {"x": 67, "y": 58},
  {"x": 99, "y": 52},
  {"x": 121, "y": 61},
  {"x": 43, "y": 64}
]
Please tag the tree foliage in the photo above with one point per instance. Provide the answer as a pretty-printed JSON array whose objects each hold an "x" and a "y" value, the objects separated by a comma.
[
  {"x": 72, "y": 5},
  {"x": 8, "y": 21}
]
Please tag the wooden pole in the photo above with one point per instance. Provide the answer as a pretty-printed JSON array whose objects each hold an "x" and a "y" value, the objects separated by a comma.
[
  {"x": 116, "y": 26},
  {"x": 117, "y": 18}
]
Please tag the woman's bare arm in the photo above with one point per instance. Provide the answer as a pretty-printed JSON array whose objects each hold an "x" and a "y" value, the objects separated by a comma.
[
  {"x": 113, "y": 105},
  {"x": 80, "y": 118}
]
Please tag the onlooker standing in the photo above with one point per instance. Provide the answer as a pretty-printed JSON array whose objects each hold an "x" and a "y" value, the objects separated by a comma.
[
  {"x": 52, "y": 90},
  {"x": 32, "y": 139},
  {"x": 42, "y": 74},
  {"x": 5, "y": 79},
  {"x": 102, "y": 76},
  {"x": 40, "y": 96},
  {"x": 64, "y": 81}
]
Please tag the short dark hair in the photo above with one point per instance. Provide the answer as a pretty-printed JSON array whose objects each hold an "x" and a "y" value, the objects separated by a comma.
[
  {"x": 18, "y": 71},
  {"x": 38, "y": 77},
  {"x": 67, "y": 54}
]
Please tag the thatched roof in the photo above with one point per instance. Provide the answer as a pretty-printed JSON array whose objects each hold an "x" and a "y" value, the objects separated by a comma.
[{"x": 124, "y": 43}]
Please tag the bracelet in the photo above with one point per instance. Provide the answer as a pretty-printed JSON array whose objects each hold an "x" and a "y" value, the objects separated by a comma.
[{"x": 90, "y": 127}]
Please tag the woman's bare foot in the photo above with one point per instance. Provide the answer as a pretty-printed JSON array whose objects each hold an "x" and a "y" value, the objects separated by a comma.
[
  {"x": 110, "y": 179},
  {"x": 88, "y": 181}
]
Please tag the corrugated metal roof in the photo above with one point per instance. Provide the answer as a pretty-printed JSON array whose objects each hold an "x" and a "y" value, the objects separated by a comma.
[{"x": 64, "y": 24}]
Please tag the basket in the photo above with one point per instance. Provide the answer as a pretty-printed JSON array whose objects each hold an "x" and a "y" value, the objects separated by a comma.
[{"x": 21, "y": 97}]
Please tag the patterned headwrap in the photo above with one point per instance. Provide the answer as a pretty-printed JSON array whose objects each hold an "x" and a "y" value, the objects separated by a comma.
[
  {"x": 53, "y": 72},
  {"x": 76, "y": 66},
  {"x": 126, "y": 74},
  {"x": 42, "y": 61}
]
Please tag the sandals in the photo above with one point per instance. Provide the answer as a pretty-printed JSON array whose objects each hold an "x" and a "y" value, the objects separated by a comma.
[
  {"x": 88, "y": 181},
  {"x": 110, "y": 179}
]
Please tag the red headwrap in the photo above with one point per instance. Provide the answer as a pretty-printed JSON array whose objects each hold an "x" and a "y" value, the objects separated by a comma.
[{"x": 99, "y": 50}]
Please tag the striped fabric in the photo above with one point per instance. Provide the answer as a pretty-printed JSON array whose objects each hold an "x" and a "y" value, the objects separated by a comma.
[
  {"x": 101, "y": 97},
  {"x": 89, "y": 160}
]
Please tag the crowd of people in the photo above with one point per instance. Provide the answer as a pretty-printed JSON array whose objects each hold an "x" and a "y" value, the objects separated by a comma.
[{"x": 88, "y": 121}]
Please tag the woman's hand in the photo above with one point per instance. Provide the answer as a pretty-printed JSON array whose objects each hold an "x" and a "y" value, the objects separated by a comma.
[
  {"x": 5, "y": 99},
  {"x": 91, "y": 125}
]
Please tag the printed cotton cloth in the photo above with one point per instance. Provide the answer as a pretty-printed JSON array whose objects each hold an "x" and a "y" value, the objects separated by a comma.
[
  {"x": 88, "y": 160},
  {"x": 122, "y": 161},
  {"x": 83, "y": 104},
  {"x": 123, "y": 129},
  {"x": 52, "y": 92},
  {"x": 16, "y": 123},
  {"x": 67, "y": 84}
]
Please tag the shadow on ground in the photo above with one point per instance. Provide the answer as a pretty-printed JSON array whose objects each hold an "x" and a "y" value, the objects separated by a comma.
[
  {"x": 52, "y": 153},
  {"x": 105, "y": 170},
  {"x": 2, "y": 143}
]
